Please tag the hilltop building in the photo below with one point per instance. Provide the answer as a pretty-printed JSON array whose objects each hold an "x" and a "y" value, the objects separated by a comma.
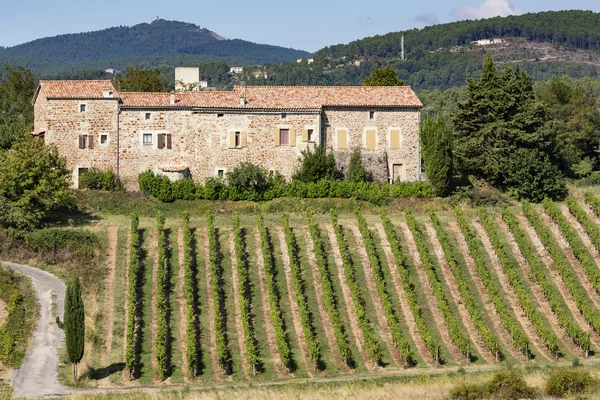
[{"x": 208, "y": 133}]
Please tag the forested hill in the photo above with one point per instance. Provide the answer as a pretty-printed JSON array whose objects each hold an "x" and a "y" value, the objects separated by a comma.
[
  {"x": 545, "y": 44},
  {"x": 159, "y": 38}
]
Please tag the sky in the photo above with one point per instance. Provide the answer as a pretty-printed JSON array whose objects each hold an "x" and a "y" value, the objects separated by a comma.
[{"x": 307, "y": 25}]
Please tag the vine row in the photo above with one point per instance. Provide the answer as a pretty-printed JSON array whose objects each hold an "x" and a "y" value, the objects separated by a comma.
[
  {"x": 563, "y": 315},
  {"x": 593, "y": 202},
  {"x": 190, "y": 288},
  {"x": 370, "y": 341},
  {"x": 512, "y": 272},
  {"x": 252, "y": 356},
  {"x": 281, "y": 337},
  {"x": 380, "y": 284},
  {"x": 133, "y": 338},
  {"x": 218, "y": 295},
  {"x": 163, "y": 329},
  {"x": 475, "y": 310},
  {"x": 569, "y": 277},
  {"x": 306, "y": 316},
  {"x": 450, "y": 318},
  {"x": 515, "y": 331},
  {"x": 589, "y": 226}
]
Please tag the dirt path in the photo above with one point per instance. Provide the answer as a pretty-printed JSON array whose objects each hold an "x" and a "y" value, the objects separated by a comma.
[
  {"x": 458, "y": 300},
  {"x": 37, "y": 376},
  {"x": 237, "y": 307},
  {"x": 326, "y": 322},
  {"x": 509, "y": 291},
  {"x": 537, "y": 291},
  {"x": 408, "y": 315},
  {"x": 557, "y": 279},
  {"x": 293, "y": 304},
  {"x": 432, "y": 300},
  {"x": 3, "y": 312},
  {"x": 153, "y": 327},
  {"x": 109, "y": 304},
  {"x": 575, "y": 264},
  {"x": 271, "y": 339},
  {"x": 354, "y": 327},
  {"x": 483, "y": 294},
  {"x": 182, "y": 304},
  {"x": 125, "y": 373},
  {"x": 217, "y": 372},
  {"x": 384, "y": 329}
]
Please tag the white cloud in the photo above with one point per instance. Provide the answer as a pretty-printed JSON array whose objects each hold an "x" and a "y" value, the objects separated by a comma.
[
  {"x": 428, "y": 19},
  {"x": 487, "y": 9}
]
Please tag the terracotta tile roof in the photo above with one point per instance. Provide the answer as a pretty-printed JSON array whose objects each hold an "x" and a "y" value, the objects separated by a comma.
[
  {"x": 256, "y": 97},
  {"x": 76, "y": 89}
]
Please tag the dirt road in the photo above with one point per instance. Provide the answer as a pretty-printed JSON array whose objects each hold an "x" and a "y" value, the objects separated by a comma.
[{"x": 37, "y": 376}]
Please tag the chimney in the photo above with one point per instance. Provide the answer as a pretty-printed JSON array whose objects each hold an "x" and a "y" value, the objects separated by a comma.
[
  {"x": 172, "y": 99},
  {"x": 107, "y": 93},
  {"x": 242, "y": 101}
]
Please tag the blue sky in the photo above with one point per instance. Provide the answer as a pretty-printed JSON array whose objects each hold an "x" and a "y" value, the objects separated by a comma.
[{"x": 308, "y": 25}]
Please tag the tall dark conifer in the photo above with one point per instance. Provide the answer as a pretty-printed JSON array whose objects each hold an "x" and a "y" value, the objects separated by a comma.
[
  {"x": 436, "y": 146},
  {"x": 74, "y": 324}
]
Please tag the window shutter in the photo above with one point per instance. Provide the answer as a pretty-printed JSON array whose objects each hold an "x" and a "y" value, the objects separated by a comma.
[
  {"x": 292, "y": 137},
  {"x": 81, "y": 141},
  {"x": 305, "y": 135},
  {"x": 342, "y": 136},
  {"x": 231, "y": 140},
  {"x": 244, "y": 139},
  {"x": 169, "y": 141},
  {"x": 276, "y": 138},
  {"x": 395, "y": 139},
  {"x": 161, "y": 141},
  {"x": 371, "y": 141},
  {"x": 90, "y": 141}
]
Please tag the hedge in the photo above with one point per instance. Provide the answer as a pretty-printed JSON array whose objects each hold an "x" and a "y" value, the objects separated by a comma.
[{"x": 163, "y": 189}]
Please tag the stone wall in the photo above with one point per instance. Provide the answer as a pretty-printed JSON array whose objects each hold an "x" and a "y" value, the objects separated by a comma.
[{"x": 201, "y": 140}]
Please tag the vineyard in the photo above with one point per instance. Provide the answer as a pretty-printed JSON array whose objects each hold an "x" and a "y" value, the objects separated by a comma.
[{"x": 235, "y": 297}]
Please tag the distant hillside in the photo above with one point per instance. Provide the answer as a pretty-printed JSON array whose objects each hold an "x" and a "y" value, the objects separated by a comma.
[
  {"x": 545, "y": 44},
  {"x": 142, "y": 42}
]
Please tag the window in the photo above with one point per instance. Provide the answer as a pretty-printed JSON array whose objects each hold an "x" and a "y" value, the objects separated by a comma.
[
  {"x": 82, "y": 107},
  {"x": 86, "y": 141},
  {"x": 163, "y": 140},
  {"x": 310, "y": 135},
  {"x": 371, "y": 139},
  {"x": 220, "y": 173},
  {"x": 147, "y": 139},
  {"x": 103, "y": 139},
  {"x": 284, "y": 137},
  {"x": 238, "y": 139},
  {"x": 395, "y": 139},
  {"x": 283, "y": 116},
  {"x": 220, "y": 115},
  {"x": 147, "y": 116},
  {"x": 371, "y": 114},
  {"x": 342, "y": 139}
]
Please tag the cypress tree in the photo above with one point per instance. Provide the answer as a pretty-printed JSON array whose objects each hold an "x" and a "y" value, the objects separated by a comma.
[
  {"x": 356, "y": 168},
  {"x": 436, "y": 146},
  {"x": 74, "y": 324}
]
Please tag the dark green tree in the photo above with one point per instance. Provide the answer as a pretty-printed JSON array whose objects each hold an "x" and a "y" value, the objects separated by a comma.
[
  {"x": 436, "y": 147},
  {"x": 74, "y": 325},
  {"x": 499, "y": 116},
  {"x": 142, "y": 80},
  {"x": 385, "y": 76},
  {"x": 16, "y": 110},
  {"x": 317, "y": 165},
  {"x": 356, "y": 169},
  {"x": 34, "y": 182}
]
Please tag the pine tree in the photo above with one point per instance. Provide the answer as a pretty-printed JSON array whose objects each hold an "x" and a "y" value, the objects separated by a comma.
[
  {"x": 385, "y": 76},
  {"x": 74, "y": 324},
  {"x": 436, "y": 146}
]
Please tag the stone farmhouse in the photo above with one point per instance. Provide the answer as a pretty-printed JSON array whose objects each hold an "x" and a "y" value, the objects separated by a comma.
[{"x": 205, "y": 134}]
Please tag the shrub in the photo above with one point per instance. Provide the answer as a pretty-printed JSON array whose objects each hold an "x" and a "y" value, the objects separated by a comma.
[
  {"x": 565, "y": 382},
  {"x": 95, "y": 179},
  {"x": 215, "y": 189},
  {"x": 184, "y": 189},
  {"x": 592, "y": 180},
  {"x": 249, "y": 181},
  {"x": 317, "y": 165},
  {"x": 356, "y": 169},
  {"x": 53, "y": 240},
  {"x": 411, "y": 189},
  {"x": 146, "y": 182},
  {"x": 504, "y": 385}
]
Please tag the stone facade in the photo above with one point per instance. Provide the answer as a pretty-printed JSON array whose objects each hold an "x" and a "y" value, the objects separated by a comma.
[{"x": 205, "y": 141}]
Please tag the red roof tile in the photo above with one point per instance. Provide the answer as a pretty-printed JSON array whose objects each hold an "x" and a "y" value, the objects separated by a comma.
[{"x": 76, "y": 89}]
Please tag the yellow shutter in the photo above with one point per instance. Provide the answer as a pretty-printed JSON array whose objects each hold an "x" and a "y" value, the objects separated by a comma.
[
  {"x": 292, "y": 137},
  {"x": 342, "y": 139},
  {"x": 276, "y": 138},
  {"x": 244, "y": 139},
  {"x": 305, "y": 135},
  {"x": 371, "y": 139},
  {"x": 231, "y": 139},
  {"x": 394, "y": 139}
]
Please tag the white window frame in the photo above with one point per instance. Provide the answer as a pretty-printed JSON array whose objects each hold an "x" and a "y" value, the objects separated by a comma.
[
  {"x": 107, "y": 139},
  {"x": 147, "y": 116},
  {"x": 84, "y": 106},
  {"x": 151, "y": 142},
  {"x": 220, "y": 172}
]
